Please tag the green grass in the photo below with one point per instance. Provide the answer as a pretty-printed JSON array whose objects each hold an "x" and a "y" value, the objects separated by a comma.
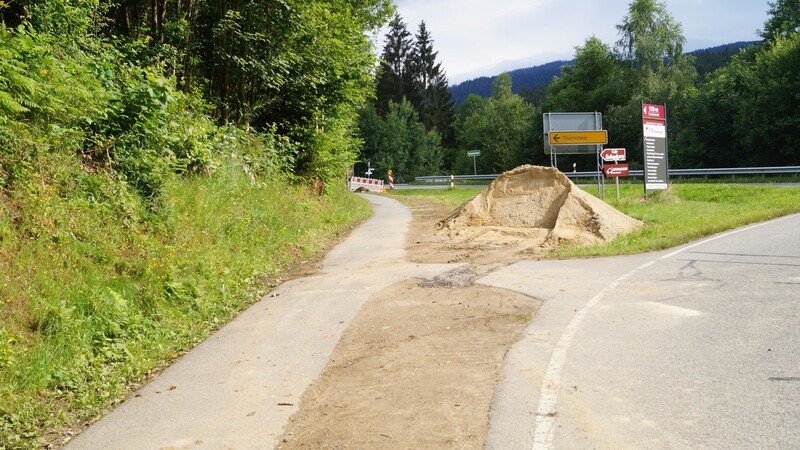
[
  {"x": 450, "y": 198},
  {"x": 684, "y": 213},
  {"x": 97, "y": 293},
  {"x": 687, "y": 212}
]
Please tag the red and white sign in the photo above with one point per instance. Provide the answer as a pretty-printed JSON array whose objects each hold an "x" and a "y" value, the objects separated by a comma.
[
  {"x": 652, "y": 128},
  {"x": 613, "y": 154},
  {"x": 616, "y": 170},
  {"x": 654, "y": 111}
]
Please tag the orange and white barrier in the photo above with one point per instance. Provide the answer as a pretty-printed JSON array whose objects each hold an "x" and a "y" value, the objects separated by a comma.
[{"x": 370, "y": 184}]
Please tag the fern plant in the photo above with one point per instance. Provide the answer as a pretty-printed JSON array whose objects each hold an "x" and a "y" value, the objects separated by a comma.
[{"x": 17, "y": 87}]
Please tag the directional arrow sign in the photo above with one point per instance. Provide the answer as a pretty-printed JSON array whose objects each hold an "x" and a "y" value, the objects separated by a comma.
[
  {"x": 597, "y": 137},
  {"x": 613, "y": 154},
  {"x": 616, "y": 170},
  {"x": 654, "y": 111}
]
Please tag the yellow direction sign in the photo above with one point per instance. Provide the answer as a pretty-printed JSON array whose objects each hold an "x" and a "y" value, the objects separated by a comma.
[{"x": 598, "y": 137}]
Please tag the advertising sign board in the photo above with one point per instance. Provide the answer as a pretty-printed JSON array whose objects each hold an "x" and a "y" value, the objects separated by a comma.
[{"x": 654, "y": 131}]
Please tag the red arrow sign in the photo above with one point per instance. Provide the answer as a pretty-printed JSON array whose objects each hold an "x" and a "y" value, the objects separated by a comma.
[
  {"x": 616, "y": 170},
  {"x": 613, "y": 154},
  {"x": 654, "y": 111}
]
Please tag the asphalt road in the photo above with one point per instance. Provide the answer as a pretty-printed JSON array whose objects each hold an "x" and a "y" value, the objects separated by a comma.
[
  {"x": 691, "y": 348},
  {"x": 697, "y": 347}
]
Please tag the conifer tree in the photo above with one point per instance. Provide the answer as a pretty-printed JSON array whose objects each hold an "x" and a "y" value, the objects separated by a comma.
[
  {"x": 394, "y": 75},
  {"x": 434, "y": 105}
]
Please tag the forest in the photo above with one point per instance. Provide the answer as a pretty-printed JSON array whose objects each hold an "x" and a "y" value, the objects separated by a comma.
[
  {"x": 531, "y": 82},
  {"x": 724, "y": 109}
]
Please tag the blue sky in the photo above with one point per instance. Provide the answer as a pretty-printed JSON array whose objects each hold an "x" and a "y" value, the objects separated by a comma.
[{"x": 485, "y": 37}]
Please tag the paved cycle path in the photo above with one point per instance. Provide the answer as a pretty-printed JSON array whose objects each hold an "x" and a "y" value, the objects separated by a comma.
[{"x": 238, "y": 389}]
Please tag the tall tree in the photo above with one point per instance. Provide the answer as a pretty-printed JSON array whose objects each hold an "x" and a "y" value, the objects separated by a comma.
[
  {"x": 650, "y": 50},
  {"x": 395, "y": 79},
  {"x": 649, "y": 36},
  {"x": 434, "y": 106},
  {"x": 501, "y": 127},
  {"x": 399, "y": 142},
  {"x": 501, "y": 87},
  {"x": 784, "y": 19},
  {"x": 592, "y": 83}
]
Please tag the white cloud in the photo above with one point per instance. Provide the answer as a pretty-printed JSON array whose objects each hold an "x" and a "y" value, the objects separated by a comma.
[{"x": 483, "y": 37}]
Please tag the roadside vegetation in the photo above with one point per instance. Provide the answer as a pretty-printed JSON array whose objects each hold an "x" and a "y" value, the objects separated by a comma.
[
  {"x": 683, "y": 213},
  {"x": 95, "y": 299},
  {"x": 162, "y": 165}
]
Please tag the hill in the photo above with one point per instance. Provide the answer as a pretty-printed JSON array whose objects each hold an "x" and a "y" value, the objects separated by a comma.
[
  {"x": 526, "y": 78},
  {"x": 530, "y": 81},
  {"x": 708, "y": 60}
]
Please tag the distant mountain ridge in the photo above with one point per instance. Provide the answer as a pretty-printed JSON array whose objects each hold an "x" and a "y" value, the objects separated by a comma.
[{"x": 528, "y": 79}]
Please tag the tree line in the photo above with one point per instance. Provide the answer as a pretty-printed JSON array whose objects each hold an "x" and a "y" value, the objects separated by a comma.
[
  {"x": 296, "y": 70},
  {"x": 741, "y": 114}
]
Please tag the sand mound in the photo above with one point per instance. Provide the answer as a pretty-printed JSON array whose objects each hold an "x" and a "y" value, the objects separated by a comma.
[{"x": 538, "y": 202}]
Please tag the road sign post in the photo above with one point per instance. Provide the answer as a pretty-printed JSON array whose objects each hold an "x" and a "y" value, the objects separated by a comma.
[
  {"x": 474, "y": 154},
  {"x": 615, "y": 170},
  {"x": 613, "y": 154},
  {"x": 597, "y": 137},
  {"x": 654, "y": 131},
  {"x": 575, "y": 133}
]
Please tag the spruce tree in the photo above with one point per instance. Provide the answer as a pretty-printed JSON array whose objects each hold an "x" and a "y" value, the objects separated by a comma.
[
  {"x": 394, "y": 75},
  {"x": 433, "y": 99}
]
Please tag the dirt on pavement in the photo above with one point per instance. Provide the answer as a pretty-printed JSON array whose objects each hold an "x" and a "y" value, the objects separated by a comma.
[{"x": 418, "y": 366}]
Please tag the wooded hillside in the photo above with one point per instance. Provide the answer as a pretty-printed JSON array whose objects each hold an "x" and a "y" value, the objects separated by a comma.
[
  {"x": 162, "y": 163},
  {"x": 530, "y": 79}
]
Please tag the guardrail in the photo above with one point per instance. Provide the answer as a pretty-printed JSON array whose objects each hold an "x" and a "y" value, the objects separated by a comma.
[{"x": 733, "y": 171}]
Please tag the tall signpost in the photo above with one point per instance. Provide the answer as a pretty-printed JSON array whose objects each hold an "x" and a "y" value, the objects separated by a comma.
[
  {"x": 656, "y": 157},
  {"x": 615, "y": 155},
  {"x": 474, "y": 154},
  {"x": 575, "y": 133}
]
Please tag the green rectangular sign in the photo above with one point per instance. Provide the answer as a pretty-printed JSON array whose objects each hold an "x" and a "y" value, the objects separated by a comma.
[{"x": 473, "y": 153}]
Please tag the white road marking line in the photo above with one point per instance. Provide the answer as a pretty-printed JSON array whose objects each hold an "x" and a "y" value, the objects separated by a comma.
[{"x": 551, "y": 383}]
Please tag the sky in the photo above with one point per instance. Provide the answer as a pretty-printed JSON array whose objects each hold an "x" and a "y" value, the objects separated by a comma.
[{"x": 486, "y": 37}]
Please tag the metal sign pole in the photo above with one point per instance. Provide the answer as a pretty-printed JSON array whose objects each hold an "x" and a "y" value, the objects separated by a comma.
[
  {"x": 599, "y": 176},
  {"x": 474, "y": 165}
]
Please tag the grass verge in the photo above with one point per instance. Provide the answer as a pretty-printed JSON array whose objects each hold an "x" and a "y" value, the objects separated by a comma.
[
  {"x": 682, "y": 214},
  {"x": 96, "y": 296},
  {"x": 449, "y": 198}
]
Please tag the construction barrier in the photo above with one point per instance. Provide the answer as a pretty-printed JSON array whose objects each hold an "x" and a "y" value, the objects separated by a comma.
[
  {"x": 391, "y": 180},
  {"x": 370, "y": 184}
]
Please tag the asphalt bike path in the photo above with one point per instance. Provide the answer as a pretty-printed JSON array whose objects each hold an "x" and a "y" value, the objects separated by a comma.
[{"x": 238, "y": 389}]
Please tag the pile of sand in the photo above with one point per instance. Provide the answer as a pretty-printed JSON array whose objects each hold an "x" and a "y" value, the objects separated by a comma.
[{"x": 539, "y": 203}]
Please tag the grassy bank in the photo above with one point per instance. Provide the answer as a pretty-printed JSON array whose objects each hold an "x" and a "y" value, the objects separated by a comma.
[
  {"x": 684, "y": 213},
  {"x": 687, "y": 212},
  {"x": 100, "y": 290}
]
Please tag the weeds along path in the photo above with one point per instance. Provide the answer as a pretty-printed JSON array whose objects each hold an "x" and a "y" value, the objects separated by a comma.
[{"x": 239, "y": 388}]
